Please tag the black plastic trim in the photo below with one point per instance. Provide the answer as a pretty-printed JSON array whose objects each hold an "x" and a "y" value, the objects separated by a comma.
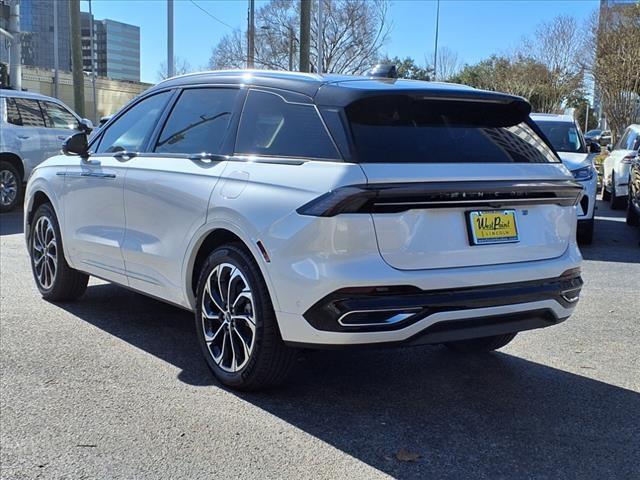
[
  {"x": 400, "y": 197},
  {"x": 325, "y": 314}
]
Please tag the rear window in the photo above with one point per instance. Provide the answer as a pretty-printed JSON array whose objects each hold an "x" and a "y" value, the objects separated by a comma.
[
  {"x": 564, "y": 136},
  {"x": 273, "y": 127},
  {"x": 403, "y": 129}
]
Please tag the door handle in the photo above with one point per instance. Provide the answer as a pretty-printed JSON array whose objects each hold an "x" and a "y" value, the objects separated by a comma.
[
  {"x": 124, "y": 155},
  {"x": 62, "y": 137},
  {"x": 24, "y": 137}
]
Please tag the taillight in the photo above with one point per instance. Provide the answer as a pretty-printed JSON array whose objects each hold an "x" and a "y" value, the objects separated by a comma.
[{"x": 628, "y": 159}]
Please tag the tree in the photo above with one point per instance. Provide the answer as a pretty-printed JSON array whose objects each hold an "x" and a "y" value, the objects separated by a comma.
[
  {"x": 448, "y": 64},
  {"x": 614, "y": 40},
  {"x": 181, "y": 66},
  {"x": 408, "y": 68},
  {"x": 354, "y": 32}
]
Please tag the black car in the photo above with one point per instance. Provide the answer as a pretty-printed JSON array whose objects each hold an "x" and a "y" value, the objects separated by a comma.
[
  {"x": 601, "y": 137},
  {"x": 633, "y": 205}
]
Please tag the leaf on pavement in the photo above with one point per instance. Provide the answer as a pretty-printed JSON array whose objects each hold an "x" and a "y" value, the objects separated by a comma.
[{"x": 407, "y": 456}]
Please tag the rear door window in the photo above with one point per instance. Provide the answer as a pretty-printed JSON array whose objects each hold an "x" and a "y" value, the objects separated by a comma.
[
  {"x": 198, "y": 122},
  {"x": 30, "y": 113},
  {"x": 403, "y": 129},
  {"x": 272, "y": 126},
  {"x": 57, "y": 116},
  {"x": 13, "y": 116},
  {"x": 131, "y": 131}
]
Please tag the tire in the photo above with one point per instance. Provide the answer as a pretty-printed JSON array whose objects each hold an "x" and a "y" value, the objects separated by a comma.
[
  {"x": 606, "y": 196},
  {"x": 55, "y": 279},
  {"x": 10, "y": 186},
  {"x": 632, "y": 215},
  {"x": 615, "y": 202},
  {"x": 256, "y": 357},
  {"x": 585, "y": 231},
  {"x": 483, "y": 344}
]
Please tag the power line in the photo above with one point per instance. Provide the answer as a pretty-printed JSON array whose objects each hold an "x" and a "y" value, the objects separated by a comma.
[{"x": 212, "y": 16}]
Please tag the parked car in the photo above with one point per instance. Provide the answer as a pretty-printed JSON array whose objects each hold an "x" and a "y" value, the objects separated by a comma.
[
  {"x": 293, "y": 210},
  {"x": 566, "y": 138},
  {"x": 633, "y": 205},
  {"x": 616, "y": 167},
  {"x": 32, "y": 128},
  {"x": 602, "y": 137}
]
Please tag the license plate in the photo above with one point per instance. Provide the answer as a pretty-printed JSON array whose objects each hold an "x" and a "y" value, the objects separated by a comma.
[{"x": 492, "y": 226}]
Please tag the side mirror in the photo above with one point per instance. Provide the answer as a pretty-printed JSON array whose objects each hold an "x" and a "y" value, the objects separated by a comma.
[
  {"x": 76, "y": 144},
  {"x": 609, "y": 148},
  {"x": 85, "y": 125},
  {"x": 594, "y": 147}
]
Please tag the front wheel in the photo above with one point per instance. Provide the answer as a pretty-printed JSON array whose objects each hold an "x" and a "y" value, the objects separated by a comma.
[
  {"x": 632, "y": 215},
  {"x": 55, "y": 279},
  {"x": 616, "y": 202},
  {"x": 236, "y": 324},
  {"x": 585, "y": 231},
  {"x": 484, "y": 344}
]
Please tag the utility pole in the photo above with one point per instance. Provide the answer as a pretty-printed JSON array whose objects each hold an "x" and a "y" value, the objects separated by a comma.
[
  {"x": 76, "y": 57},
  {"x": 15, "y": 52},
  {"x": 320, "y": 66},
  {"x": 251, "y": 35},
  {"x": 291, "y": 47},
  {"x": 56, "y": 58},
  {"x": 171, "y": 66},
  {"x": 93, "y": 69},
  {"x": 305, "y": 34},
  {"x": 435, "y": 50},
  {"x": 586, "y": 119}
]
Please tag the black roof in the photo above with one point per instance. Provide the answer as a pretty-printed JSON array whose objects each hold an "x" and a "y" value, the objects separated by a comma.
[{"x": 339, "y": 90}]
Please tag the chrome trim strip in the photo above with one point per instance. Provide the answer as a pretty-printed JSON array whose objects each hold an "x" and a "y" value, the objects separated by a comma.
[
  {"x": 86, "y": 174},
  {"x": 401, "y": 314}
]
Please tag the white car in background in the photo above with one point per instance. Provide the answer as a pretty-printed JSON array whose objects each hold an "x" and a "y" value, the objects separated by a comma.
[
  {"x": 564, "y": 134},
  {"x": 32, "y": 129},
  {"x": 615, "y": 185}
]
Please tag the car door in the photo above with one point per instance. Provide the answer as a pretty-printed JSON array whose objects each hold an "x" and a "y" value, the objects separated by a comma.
[
  {"x": 94, "y": 198},
  {"x": 30, "y": 132},
  {"x": 60, "y": 124},
  {"x": 167, "y": 191}
]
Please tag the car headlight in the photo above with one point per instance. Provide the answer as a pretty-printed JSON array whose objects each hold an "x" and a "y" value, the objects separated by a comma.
[{"x": 583, "y": 174}]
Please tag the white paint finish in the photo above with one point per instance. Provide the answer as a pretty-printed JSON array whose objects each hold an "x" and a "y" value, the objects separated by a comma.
[
  {"x": 165, "y": 203},
  {"x": 93, "y": 216}
]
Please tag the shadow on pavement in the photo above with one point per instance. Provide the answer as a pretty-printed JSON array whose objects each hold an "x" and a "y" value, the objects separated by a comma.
[
  {"x": 11, "y": 222},
  {"x": 613, "y": 240},
  {"x": 496, "y": 416}
]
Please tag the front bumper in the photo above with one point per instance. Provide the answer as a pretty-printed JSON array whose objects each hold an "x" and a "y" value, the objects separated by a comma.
[{"x": 407, "y": 315}]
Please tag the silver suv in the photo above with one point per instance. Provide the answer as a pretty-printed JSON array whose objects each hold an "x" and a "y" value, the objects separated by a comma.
[{"x": 32, "y": 129}]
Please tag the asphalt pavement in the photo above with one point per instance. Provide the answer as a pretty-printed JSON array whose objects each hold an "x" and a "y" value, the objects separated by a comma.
[{"x": 114, "y": 387}]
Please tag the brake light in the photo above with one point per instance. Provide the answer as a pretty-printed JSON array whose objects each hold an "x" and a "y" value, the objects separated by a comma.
[{"x": 628, "y": 159}]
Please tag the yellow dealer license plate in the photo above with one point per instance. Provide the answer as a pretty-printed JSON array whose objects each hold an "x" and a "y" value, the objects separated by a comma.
[{"x": 492, "y": 226}]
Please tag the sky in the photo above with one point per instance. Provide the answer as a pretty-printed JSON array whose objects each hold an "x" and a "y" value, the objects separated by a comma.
[{"x": 474, "y": 29}]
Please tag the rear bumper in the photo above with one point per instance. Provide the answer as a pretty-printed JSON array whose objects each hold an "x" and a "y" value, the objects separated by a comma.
[{"x": 406, "y": 315}]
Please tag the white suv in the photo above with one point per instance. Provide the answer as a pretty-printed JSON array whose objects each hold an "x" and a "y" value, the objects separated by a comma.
[
  {"x": 615, "y": 186},
  {"x": 32, "y": 129},
  {"x": 293, "y": 210},
  {"x": 564, "y": 134}
]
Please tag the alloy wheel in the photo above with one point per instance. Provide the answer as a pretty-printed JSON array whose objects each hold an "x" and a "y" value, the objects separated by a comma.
[
  {"x": 228, "y": 317},
  {"x": 8, "y": 187},
  {"x": 45, "y": 252}
]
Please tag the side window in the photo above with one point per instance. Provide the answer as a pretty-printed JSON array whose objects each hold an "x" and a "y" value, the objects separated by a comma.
[
  {"x": 13, "y": 116},
  {"x": 198, "y": 121},
  {"x": 57, "y": 116},
  {"x": 634, "y": 140},
  {"x": 131, "y": 130},
  {"x": 30, "y": 112},
  {"x": 271, "y": 126},
  {"x": 621, "y": 145}
]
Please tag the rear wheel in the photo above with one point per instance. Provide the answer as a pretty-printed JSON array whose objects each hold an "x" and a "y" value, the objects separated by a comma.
[
  {"x": 10, "y": 186},
  {"x": 616, "y": 202},
  {"x": 606, "y": 196},
  {"x": 632, "y": 214},
  {"x": 55, "y": 279},
  {"x": 236, "y": 324},
  {"x": 585, "y": 231},
  {"x": 484, "y": 344}
]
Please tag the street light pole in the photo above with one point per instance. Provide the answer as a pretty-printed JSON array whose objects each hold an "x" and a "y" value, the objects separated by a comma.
[
  {"x": 435, "y": 51},
  {"x": 251, "y": 44},
  {"x": 320, "y": 66},
  {"x": 93, "y": 69},
  {"x": 171, "y": 67},
  {"x": 56, "y": 53},
  {"x": 15, "y": 52}
]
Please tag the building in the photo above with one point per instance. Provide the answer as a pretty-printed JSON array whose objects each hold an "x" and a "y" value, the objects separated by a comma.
[{"x": 116, "y": 48}]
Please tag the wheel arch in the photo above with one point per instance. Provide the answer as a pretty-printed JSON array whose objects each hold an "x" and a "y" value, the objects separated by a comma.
[
  {"x": 209, "y": 239},
  {"x": 14, "y": 160}
]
